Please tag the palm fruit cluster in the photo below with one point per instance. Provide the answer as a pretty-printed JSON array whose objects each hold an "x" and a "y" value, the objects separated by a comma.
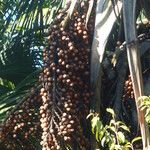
[
  {"x": 22, "y": 121},
  {"x": 65, "y": 82},
  {"x": 128, "y": 89},
  {"x": 62, "y": 103}
]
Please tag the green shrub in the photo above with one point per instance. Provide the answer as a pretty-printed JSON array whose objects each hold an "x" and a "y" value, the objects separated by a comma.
[
  {"x": 145, "y": 106},
  {"x": 111, "y": 135}
]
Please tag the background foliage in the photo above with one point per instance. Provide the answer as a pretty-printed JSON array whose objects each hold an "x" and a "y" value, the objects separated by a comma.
[{"x": 23, "y": 26}]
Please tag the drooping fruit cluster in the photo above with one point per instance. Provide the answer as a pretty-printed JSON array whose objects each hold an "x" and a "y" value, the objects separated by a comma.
[
  {"x": 64, "y": 97},
  {"x": 65, "y": 82},
  {"x": 128, "y": 89},
  {"x": 22, "y": 121}
]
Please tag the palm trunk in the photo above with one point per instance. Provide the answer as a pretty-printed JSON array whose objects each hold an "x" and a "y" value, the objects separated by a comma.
[{"x": 129, "y": 9}]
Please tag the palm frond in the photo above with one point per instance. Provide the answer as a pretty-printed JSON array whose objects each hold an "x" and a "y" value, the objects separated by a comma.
[
  {"x": 24, "y": 24},
  {"x": 9, "y": 99}
]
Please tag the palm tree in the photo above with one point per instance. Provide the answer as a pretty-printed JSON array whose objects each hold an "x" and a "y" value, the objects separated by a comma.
[{"x": 23, "y": 27}]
